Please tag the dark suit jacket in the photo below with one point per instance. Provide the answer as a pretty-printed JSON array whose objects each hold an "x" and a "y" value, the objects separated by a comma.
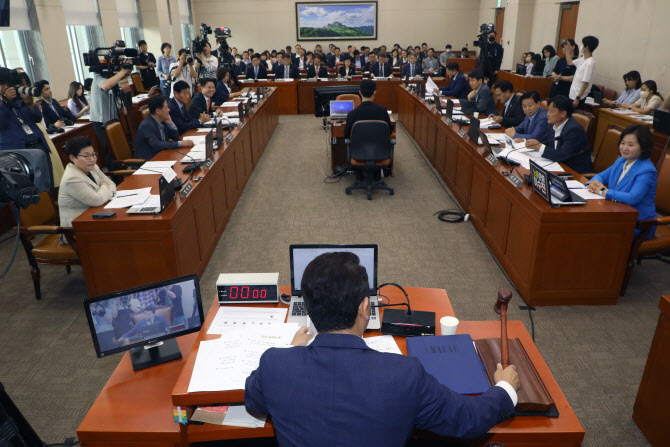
[
  {"x": 367, "y": 110},
  {"x": 311, "y": 71},
  {"x": 262, "y": 72},
  {"x": 514, "y": 114},
  {"x": 376, "y": 71},
  {"x": 296, "y": 61},
  {"x": 535, "y": 128},
  {"x": 12, "y": 135},
  {"x": 418, "y": 70},
  {"x": 242, "y": 67},
  {"x": 342, "y": 71},
  {"x": 293, "y": 71},
  {"x": 337, "y": 368},
  {"x": 50, "y": 117},
  {"x": 572, "y": 140},
  {"x": 182, "y": 120},
  {"x": 148, "y": 141},
  {"x": 331, "y": 60},
  {"x": 458, "y": 87},
  {"x": 198, "y": 106},
  {"x": 484, "y": 101}
]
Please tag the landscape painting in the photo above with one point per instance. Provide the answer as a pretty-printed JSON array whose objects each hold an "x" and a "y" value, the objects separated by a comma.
[{"x": 336, "y": 20}]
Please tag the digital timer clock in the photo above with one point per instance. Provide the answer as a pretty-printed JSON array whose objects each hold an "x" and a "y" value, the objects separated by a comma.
[{"x": 246, "y": 288}]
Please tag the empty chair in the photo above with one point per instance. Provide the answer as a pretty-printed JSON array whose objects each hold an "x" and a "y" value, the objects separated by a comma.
[
  {"x": 369, "y": 150},
  {"x": 350, "y": 97},
  {"x": 118, "y": 147},
  {"x": 608, "y": 152}
]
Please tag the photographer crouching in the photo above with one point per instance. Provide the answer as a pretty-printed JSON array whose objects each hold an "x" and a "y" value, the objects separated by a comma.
[{"x": 19, "y": 116}]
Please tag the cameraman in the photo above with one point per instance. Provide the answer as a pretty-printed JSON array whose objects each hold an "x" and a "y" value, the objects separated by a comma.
[
  {"x": 147, "y": 66},
  {"x": 103, "y": 104},
  {"x": 207, "y": 63},
  {"x": 182, "y": 70},
  {"x": 490, "y": 57}
]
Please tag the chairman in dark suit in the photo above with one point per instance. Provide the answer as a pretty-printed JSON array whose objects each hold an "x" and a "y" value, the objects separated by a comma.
[
  {"x": 458, "y": 86},
  {"x": 155, "y": 131},
  {"x": 381, "y": 68},
  {"x": 534, "y": 125},
  {"x": 256, "y": 70},
  {"x": 411, "y": 69},
  {"x": 318, "y": 70},
  {"x": 203, "y": 102},
  {"x": 53, "y": 113},
  {"x": 367, "y": 109},
  {"x": 565, "y": 140},
  {"x": 363, "y": 397},
  {"x": 178, "y": 111},
  {"x": 286, "y": 70},
  {"x": 481, "y": 94},
  {"x": 512, "y": 109}
]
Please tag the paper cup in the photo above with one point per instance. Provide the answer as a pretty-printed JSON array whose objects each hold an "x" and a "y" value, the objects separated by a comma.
[{"x": 449, "y": 325}]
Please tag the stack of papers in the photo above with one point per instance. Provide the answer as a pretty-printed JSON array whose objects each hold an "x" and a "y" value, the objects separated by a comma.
[
  {"x": 197, "y": 139},
  {"x": 128, "y": 198},
  {"x": 229, "y": 104},
  {"x": 238, "y": 416},
  {"x": 430, "y": 86},
  {"x": 524, "y": 156},
  {"x": 230, "y": 114},
  {"x": 383, "y": 343},
  {"x": 624, "y": 111},
  {"x": 486, "y": 123},
  {"x": 581, "y": 190},
  {"x": 197, "y": 153},
  {"x": 496, "y": 138},
  {"x": 154, "y": 167}
]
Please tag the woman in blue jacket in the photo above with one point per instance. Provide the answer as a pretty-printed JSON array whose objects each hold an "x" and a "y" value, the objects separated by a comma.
[{"x": 632, "y": 178}]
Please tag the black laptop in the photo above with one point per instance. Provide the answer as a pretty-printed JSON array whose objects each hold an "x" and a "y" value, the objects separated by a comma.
[
  {"x": 552, "y": 188},
  {"x": 468, "y": 107},
  {"x": 473, "y": 130},
  {"x": 166, "y": 195},
  {"x": 661, "y": 121}
]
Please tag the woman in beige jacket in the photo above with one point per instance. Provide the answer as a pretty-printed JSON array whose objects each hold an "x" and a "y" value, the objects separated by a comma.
[{"x": 83, "y": 184}]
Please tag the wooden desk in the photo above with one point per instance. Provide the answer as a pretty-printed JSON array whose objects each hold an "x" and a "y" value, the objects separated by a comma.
[
  {"x": 61, "y": 139},
  {"x": 540, "y": 85},
  {"x": 130, "y": 250},
  {"x": 650, "y": 411},
  {"x": 287, "y": 93},
  {"x": 134, "y": 407},
  {"x": 534, "y": 243},
  {"x": 466, "y": 65}
]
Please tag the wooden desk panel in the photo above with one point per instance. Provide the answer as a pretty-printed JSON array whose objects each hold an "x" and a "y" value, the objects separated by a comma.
[
  {"x": 466, "y": 65},
  {"x": 650, "y": 411},
  {"x": 286, "y": 91},
  {"x": 128, "y": 251},
  {"x": 533, "y": 242},
  {"x": 60, "y": 140},
  {"x": 540, "y": 85}
]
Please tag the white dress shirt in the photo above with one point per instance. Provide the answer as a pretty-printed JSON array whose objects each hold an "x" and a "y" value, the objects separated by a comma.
[{"x": 557, "y": 133}]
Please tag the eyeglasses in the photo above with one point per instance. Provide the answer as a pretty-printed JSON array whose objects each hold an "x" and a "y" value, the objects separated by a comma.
[{"x": 92, "y": 156}]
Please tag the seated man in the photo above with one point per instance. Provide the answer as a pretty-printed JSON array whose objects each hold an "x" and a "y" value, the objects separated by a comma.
[
  {"x": 256, "y": 70},
  {"x": 371, "y": 61},
  {"x": 155, "y": 130},
  {"x": 335, "y": 60},
  {"x": 534, "y": 125},
  {"x": 566, "y": 140},
  {"x": 203, "y": 102},
  {"x": 481, "y": 94},
  {"x": 412, "y": 69},
  {"x": 513, "y": 111},
  {"x": 318, "y": 70},
  {"x": 367, "y": 109},
  {"x": 430, "y": 64},
  {"x": 286, "y": 70},
  {"x": 151, "y": 324},
  {"x": 458, "y": 86},
  {"x": 382, "y": 68},
  {"x": 178, "y": 113},
  {"x": 52, "y": 111},
  {"x": 378, "y": 399}
]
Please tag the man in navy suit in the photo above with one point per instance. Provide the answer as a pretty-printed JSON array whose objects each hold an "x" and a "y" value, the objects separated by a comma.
[
  {"x": 458, "y": 86},
  {"x": 155, "y": 130},
  {"x": 244, "y": 64},
  {"x": 52, "y": 111},
  {"x": 336, "y": 59},
  {"x": 203, "y": 102},
  {"x": 381, "y": 68},
  {"x": 565, "y": 140},
  {"x": 256, "y": 70},
  {"x": 371, "y": 61},
  {"x": 286, "y": 70},
  {"x": 411, "y": 69},
  {"x": 534, "y": 125},
  {"x": 318, "y": 70},
  {"x": 178, "y": 112},
  {"x": 513, "y": 111},
  {"x": 481, "y": 94},
  {"x": 338, "y": 391}
]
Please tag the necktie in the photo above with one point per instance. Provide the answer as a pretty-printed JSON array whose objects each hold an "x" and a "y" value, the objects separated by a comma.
[
  {"x": 255, "y": 72},
  {"x": 183, "y": 112},
  {"x": 207, "y": 108},
  {"x": 286, "y": 71},
  {"x": 381, "y": 70},
  {"x": 411, "y": 69},
  {"x": 160, "y": 127}
]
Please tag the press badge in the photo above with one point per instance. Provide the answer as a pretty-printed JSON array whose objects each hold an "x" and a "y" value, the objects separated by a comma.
[{"x": 27, "y": 129}]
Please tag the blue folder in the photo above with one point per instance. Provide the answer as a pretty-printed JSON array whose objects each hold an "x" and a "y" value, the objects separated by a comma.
[{"x": 452, "y": 360}]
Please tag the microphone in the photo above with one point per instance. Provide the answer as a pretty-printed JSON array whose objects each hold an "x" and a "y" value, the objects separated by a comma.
[
  {"x": 191, "y": 167},
  {"x": 529, "y": 180},
  {"x": 410, "y": 323},
  {"x": 177, "y": 183}
]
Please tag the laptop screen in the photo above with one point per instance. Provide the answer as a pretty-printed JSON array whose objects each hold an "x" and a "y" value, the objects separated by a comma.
[
  {"x": 301, "y": 255},
  {"x": 341, "y": 107}
]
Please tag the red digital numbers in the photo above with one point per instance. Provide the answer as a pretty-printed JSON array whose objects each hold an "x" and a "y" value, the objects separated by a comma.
[
  {"x": 233, "y": 292},
  {"x": 264, "y": 294},
  {"x": 245, "y": 292}
]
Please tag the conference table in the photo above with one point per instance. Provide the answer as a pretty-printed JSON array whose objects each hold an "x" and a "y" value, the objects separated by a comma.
[
  {"x": 538, "y": 83},
  {"x": 131, "y": 250},
  {"x": 136, "y": 407},
  {"x": 548, "y": 253}
]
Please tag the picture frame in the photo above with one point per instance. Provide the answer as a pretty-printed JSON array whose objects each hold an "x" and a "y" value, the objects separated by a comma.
[{"x": 347, "y": 20}]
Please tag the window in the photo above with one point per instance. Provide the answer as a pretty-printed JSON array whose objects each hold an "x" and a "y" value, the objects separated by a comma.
[
  {"x": 131, "y": 35},
  {"x": 185, "y": 18},
  {"x": 130, "y": 22},
  {"x": 83, "y": 38},
  {"x": 21, "y": 43}
]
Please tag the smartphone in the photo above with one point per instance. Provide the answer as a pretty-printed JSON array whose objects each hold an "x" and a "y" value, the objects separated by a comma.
[{"x": 104, "y": 215}]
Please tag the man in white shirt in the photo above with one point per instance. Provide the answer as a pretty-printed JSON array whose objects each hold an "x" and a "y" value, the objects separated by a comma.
[
  {"x": 583, "y": 78},
  {"x": 182, "y": 70}
]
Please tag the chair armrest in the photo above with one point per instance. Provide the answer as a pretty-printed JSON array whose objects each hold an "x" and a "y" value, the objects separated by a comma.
[
  {"x": 648, "y": 223},
  {"x": 123, "y": 172},
  {"x": 134, "y": 161},
  {"x": 589, "y": 176},
  {"x": 48, "y": 229}
]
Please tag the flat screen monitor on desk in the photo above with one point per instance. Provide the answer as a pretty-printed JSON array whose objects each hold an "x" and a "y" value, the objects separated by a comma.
[
  {"x": 521, "y": 69},
  {"x": 662, "y": 122},
  {"x": 146, "y": 320},
  {"x": 340, "y": 109}
]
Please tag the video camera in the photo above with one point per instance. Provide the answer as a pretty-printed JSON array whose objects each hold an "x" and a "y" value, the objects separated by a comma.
[
  {"x": 484, "y": 30},
  {"x": 199, "y": 42},
  {"x": 108, "y": 61},
  {"x": 12, "y": 78},
  {"x": 24, "y": 173}
]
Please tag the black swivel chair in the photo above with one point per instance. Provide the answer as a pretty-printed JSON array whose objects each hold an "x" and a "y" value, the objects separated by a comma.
[{"x": 369, "y": 150}]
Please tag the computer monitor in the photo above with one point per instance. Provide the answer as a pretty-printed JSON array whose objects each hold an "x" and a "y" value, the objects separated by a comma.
[
  {"x": 661, "y": 122},
  {"x": 146, "y": 320},
  {"x": 301, "y": 255},
  {"x": 521, "y": 69},
  {"x": 473, "y": 130},
  {"x": 341, "y": 107},
  {"x": 449, "y": 108},
  {"x": 209, "y": 144}
]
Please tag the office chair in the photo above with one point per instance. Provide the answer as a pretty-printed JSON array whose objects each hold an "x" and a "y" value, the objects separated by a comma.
[
  {"x": 369, "y": 150},
  {"x": 349, "y": 97},
  {"x": 137, "y": 82},
  {"x": 608, "y": 151},
  {"x": 119, "y": 149}
]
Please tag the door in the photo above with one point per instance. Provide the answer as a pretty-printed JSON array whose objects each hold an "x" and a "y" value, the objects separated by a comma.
[
  {"x": 567, "y": 24},
  {"x": 500, "y": 20}
]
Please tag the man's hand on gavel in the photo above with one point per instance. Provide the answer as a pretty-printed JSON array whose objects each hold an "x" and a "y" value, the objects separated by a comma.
[{"x": 508, "y": 375}]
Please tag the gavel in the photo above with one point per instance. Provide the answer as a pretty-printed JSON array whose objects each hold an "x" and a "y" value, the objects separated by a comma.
[{"x": 504, "y": 297}]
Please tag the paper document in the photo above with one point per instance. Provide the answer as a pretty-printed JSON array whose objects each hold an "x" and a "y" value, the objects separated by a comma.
[
  {"x": 490, "y": 139},
  {"x": 486, "y": 123},
  {"x": 383, "y": 343},
  {"x": 624, "y": 111},
  {"x": 230, "y": 114},
  {"x": 524, "y": 156},
  {"x": 239, "y": 416},
  {"x": 154, "y": 167},
  {"x": 197, "y": 139},
  {"x": 579, "y": 189},
  {"x": 197, "y": 153},
  {"x": 230, "y": 317},
  {"x": 497, "y": 137},
  {"x": 229, "y": 104},
  {"x": 128, "y": 198}
]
